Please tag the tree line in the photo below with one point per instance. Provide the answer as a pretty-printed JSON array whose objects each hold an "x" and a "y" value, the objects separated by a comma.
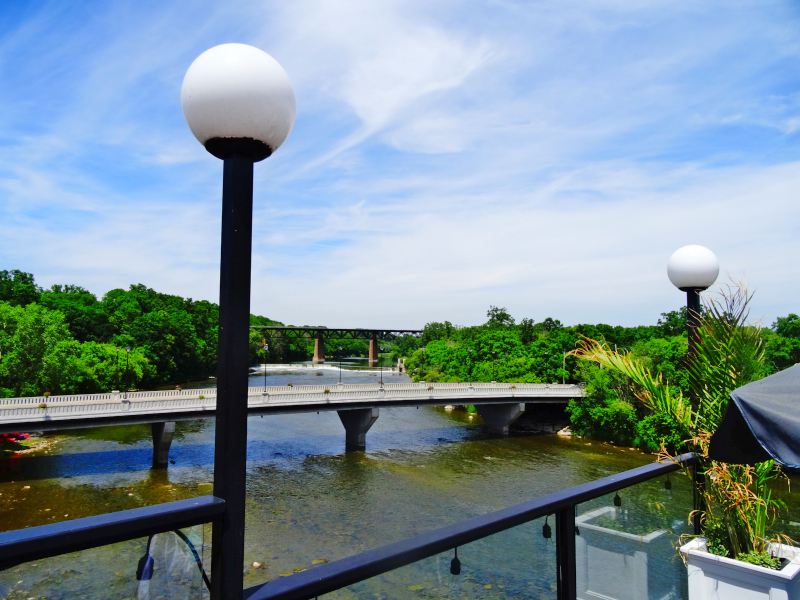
[
  {"x": 505, "y": 350},
  {"x": 66, "y": 340}
]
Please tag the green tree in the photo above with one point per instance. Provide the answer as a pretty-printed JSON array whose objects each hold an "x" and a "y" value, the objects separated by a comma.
[
  {"x": 84, "y": 314},
  {"x": 18, "y": 288},
  {"x": 498, "y": 317},
  {"x": 32, "y": 341}
]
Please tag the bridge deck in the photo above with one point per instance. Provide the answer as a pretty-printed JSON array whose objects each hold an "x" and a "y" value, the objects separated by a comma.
[{"x": 90, "y": 410}]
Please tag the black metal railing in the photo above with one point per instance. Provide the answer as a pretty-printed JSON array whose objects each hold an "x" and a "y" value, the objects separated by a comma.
[
  {"x": 45, "y": 541},
  {"x": 341, "y": 573}
]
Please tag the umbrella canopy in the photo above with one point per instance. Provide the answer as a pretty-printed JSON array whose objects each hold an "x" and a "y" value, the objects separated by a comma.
[{"x": 762, "y": 422}]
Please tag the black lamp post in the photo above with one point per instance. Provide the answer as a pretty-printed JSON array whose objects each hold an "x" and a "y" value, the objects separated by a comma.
[
  {"x": 469, "y": 367},
  {"x": 127, "y": 361},
  {"x": 494, "y": 355},
  {"x": 240, "y": 104},
  {"x": 116, "y": 367},
  {"x": 693, "y": 269},
  {"x": 266, "y": 349},
  {"x": 422, "y": 365},
  {"x": 340, "y": 363},
  {"x": 380, "y": 360},
  {"x": 546, "y": 362}
]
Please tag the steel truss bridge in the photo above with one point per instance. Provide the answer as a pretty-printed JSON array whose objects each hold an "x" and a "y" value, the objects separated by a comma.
[{"x": 320, "y": 334}]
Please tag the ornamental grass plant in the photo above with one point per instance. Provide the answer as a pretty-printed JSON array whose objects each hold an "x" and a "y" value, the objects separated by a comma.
[{"x": 737, "y": 502}]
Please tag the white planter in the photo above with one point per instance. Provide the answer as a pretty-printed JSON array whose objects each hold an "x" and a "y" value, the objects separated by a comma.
[
  {"x": 614, "y": 565},
  {"x": 713, "y": 577}
]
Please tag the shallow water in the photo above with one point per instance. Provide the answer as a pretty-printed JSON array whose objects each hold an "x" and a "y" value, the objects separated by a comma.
[{"x": 311, "y": 502}]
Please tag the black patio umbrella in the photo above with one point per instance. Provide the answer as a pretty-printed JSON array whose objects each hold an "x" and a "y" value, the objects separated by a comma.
[{"x": 762, "y": 422}]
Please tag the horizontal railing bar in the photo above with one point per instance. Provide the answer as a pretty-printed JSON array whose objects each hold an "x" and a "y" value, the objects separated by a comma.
[
  {"x": 36, "y": 543},
  {"x": 347, "y": 571}
]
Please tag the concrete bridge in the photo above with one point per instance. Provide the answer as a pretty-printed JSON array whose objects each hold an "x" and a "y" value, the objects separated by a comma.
[
  {"x": 320, "y": 334},
  {"x": 358, "y": 406}
]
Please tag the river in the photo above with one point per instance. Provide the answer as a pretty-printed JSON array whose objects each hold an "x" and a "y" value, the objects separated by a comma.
[{"x": 310, "y": 502}]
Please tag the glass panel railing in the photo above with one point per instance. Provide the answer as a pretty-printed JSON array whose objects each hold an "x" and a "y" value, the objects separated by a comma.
[
  {"x": 627, "y": 543},
  {"x": 163, "y": 566},
  {"x": 516, "y": 563}
]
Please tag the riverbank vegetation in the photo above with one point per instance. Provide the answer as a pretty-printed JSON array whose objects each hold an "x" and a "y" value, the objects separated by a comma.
[
  {"x": 65, "y": 340},
  {"x": 505, "y": 350}
]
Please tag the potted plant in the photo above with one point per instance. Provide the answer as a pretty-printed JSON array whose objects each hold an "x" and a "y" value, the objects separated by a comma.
[
  {"x": 735, "y": 556},
  {"x": 326, "y": 391}
]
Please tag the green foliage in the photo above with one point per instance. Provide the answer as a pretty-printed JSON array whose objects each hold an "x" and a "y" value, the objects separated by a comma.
[
  {"x": 498, "y": 318},
  {"x": 657, "y": 431},
  {"x": 84, "y": 314},
  {"x": 761, "y": 559},
  {"x": 18, "y": 288},
  {"x": 65, "y": 340},
  {"x": 602, "y": 413}
]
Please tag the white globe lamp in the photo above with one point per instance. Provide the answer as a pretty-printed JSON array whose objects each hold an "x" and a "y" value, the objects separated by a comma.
[
  {"x": 240, "y": 104},
  {"x": 238, "y": 92},
  {"x": 693, "y": 268}
]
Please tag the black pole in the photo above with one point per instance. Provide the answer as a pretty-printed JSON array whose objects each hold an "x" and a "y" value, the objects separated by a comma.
[
  {"x": 566, "y": 570},
  {"x": 230, "y": 440},
  {"x": 692, "y": 318},
  {"x": 692, "y": 327}
]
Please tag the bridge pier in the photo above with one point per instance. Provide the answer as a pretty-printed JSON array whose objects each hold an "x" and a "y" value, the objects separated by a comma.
[
  {"x": 373, "y": 352},
  {"x": 319, "y": 350},
  {"x": 162, "y": 440},
  {"x": 356, "y": 425},
  {"x": 499, "y": 416}
]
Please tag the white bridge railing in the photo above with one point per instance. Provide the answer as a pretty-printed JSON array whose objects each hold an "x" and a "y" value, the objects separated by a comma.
[
  {"x": 169, "y": 404},
  {"x": 544, "y": 388}
]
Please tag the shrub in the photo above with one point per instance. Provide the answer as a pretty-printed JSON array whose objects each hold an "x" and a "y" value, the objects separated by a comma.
[
  {"x": 659, "y": 430},
  {"x": 326, "y": 392},
  {"x": 43, "y": 405},
  {"x": 201, "y": 397}
]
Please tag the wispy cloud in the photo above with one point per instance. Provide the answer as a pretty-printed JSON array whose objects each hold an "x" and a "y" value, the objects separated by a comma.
[{"x": 544, "y": 156}]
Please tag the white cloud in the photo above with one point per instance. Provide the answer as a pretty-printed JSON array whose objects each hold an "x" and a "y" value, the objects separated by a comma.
[{"x": 546, "y": 157}]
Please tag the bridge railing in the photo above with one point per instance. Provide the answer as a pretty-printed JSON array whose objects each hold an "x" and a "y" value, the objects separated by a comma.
[{"x": 478, "y": 388}]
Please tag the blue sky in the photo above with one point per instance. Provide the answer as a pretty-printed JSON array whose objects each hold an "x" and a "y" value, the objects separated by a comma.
[{"x": 543, "y": 156}]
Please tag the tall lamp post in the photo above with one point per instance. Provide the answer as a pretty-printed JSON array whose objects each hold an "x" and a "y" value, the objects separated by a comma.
[
  {"x": 116, "y": 368},
  {"x": 340, "y": 364},
  {"x": 693, "y": 269},
  {"x": 266, "y": 349},
  {"x": 240, "y": 104},
  {"x": 127, "y": 361},
  {"x": 422, "y": 364},
  {"x": 380, "y": 360}
]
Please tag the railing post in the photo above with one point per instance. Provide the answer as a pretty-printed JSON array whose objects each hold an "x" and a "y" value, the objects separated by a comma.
[{"x": 565, "y": 554}]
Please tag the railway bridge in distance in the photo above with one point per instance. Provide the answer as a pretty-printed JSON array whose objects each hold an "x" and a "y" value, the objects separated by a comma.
[
  {"x": 322, "y": 334},
  {"x": 358, "y": 406}
]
